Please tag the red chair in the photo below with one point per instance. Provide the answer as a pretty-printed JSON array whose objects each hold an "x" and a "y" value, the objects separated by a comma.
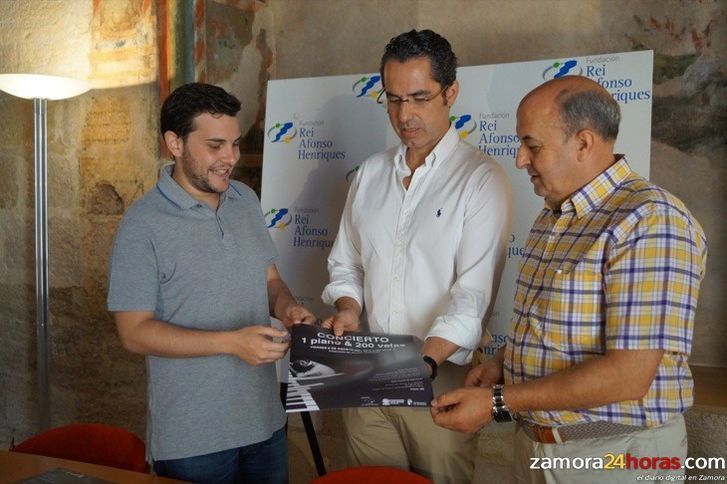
[
  {"x": 371, "y": 475},
  {"x": 91, "y": 443}
]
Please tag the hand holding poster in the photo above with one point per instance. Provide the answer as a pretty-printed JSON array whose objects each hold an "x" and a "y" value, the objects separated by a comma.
[{"x": 355, "y": 370}]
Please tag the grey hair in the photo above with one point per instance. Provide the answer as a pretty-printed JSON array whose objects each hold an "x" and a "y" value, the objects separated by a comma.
[{"x": 592, "y": 109}]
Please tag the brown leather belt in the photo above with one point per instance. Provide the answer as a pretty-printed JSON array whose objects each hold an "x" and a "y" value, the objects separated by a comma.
[{"x": 564, "y": 433}]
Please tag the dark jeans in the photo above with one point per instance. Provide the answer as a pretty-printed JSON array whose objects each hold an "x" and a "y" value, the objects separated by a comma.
[{"x": 265, "y": 463}]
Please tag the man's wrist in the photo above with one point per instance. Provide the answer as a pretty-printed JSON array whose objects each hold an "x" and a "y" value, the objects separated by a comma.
[{"x": 500, "y": 411}]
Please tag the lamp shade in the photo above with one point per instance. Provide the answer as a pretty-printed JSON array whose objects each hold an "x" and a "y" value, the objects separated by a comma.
[{"x": 30, "y": 86}]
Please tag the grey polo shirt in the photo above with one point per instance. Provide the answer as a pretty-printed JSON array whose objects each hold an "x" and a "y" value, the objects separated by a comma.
[{"x": 197, "y": 268}]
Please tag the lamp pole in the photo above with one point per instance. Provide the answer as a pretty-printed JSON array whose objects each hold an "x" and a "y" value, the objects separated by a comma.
[
  {"x": 40, "y": 143},
  {"x": 41, "y": 88}
]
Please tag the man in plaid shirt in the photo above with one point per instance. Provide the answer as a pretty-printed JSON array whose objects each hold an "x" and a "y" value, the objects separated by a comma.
[{"x": 595, "y": 363}]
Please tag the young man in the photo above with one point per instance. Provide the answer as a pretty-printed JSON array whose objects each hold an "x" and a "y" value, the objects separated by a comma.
[
  {"x": 421, "y": 246},
  {"x": 596, "y": 359},
  {"x": 192, "y": 286}
]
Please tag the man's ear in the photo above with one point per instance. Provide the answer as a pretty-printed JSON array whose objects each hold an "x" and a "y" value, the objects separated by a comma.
[
  {"x": 585, "y": 142},
  {"x": 174, "y": 143},
  {"x": 451, "y": 94}
]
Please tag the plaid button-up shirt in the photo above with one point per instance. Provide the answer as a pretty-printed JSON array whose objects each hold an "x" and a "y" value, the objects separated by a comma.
[{"x": 618, "y": 267}]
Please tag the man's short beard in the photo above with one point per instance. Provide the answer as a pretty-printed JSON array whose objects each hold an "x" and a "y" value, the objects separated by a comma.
[{"x": 199, "y": 182}]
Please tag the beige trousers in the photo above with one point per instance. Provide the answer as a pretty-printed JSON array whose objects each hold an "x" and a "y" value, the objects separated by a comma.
[
  {"x": 408, "y": 439},
  {"x": 668, "y": 440}
]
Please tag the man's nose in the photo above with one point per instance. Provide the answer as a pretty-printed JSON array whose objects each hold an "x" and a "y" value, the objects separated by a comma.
[
  {"x": 405, "y": 110},
  {"x": 231, "y": 153},
  {"x": 521, "y": 158}
]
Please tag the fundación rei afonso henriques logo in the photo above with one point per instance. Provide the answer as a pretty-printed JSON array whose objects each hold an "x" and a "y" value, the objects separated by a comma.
[
  {"x": 368, "y": 87},
  {"x": 465, "y": 125},
  {"x": 278, "y": 218},
  {"x": 559, "y": 69},
  {"x": 282, "y": 132}
]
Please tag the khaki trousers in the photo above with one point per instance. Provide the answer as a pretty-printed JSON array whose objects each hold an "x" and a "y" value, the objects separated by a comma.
[
  {"x": 407, "y": 438},
  {"x": 668, "y": 440}
]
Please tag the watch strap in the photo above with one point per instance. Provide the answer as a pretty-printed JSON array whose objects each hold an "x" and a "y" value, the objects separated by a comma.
[
  {"x": 432, "y": 364},
  {"x": 500, "y": 410}
]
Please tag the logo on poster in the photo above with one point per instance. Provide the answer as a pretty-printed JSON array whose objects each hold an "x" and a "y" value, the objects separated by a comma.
[
  {"x": 368, "y": 87},
  {"x": 278, "y": 218},
  {"x": 282, "y": 132},
  {"x": 559, "y": 69},
  {"x": 465, "y": 125}
]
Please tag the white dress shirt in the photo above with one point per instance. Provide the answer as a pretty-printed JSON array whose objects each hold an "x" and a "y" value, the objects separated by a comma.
[{"x": 424, "y": 261}]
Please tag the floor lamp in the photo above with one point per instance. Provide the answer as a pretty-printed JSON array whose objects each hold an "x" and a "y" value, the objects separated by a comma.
[{"x": 40, "y": 89}]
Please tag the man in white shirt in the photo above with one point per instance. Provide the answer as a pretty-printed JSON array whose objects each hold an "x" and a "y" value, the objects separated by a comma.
[{"x": 421, "y": 246}]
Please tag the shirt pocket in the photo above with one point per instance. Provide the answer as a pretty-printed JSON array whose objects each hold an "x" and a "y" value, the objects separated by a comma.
[{"x": 573, "y": 319}]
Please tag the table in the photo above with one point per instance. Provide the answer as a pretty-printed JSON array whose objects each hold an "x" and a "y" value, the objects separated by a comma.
[{"x": 15, "y": 466}]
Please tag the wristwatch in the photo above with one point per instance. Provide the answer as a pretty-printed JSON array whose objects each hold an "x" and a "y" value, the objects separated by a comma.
[
  {"x": 500, "y": 411},
  {"x": 432, "y": 364}
]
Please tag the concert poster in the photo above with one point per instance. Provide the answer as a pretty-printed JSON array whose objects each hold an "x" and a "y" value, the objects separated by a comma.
[{"x": 355, "y": 369}]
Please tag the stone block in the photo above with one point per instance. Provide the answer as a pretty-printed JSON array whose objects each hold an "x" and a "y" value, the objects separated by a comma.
[
  {"x": 65, "y": 259},
  {"x": 17, "y": 247},
  {"x": 10, "y": 181},
  {"x": 706, "y": 430},
  {"x": 17, "y": 302},
  {"x": 102, "y": 199},
  {"x": 18, "y": 337}
]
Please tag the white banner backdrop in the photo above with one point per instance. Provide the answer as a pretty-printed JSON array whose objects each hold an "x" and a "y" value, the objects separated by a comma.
[{"x": 318, "y": 131}]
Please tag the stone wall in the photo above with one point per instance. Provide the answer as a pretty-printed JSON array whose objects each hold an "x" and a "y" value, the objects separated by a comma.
[{"x": 102, "y": 155}]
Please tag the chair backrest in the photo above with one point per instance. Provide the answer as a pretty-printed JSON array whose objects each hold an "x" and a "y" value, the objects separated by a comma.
[
  {"x": 371, "y": 475},
  {"x": 92, "y": 443}
]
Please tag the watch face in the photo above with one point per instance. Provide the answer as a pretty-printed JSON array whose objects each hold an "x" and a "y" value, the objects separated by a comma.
[{"x": 502, "y": 416}]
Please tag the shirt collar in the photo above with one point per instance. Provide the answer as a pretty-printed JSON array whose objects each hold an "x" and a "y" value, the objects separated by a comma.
[
  {"x": 172, "y": 191},
  {"x": 440, "y": 152},
  {"x": 593, "y": 194}
]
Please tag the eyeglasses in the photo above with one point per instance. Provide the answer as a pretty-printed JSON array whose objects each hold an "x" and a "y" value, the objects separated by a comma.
[{"x": 418, "y": 101}]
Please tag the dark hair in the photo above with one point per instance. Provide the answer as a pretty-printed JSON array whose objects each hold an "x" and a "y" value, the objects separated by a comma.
[
  {"x": 592, "y": 109},
  {"x": 189, "y": 101},
  {"x": 424, "y": 43}
]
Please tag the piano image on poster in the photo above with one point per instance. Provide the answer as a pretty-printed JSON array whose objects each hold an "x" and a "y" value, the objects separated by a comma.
[{"x": 355, "y": 369}]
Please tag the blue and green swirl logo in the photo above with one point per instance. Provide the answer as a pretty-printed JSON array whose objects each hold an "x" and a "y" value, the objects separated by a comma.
[
  {"x": 559, "y": 69},
  {"x": 465, "y": 125},
  {"x": 282, "y": 132},
  {"x": 278, "y": 218},
  {"x": 368, "y": 87}
]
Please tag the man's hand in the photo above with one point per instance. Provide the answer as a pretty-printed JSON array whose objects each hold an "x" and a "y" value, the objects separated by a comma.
[
  {"x": 282, "y": 303},
  {"x": 255, "y": 344},
  {"x": 463, "y": 409},
  {"x": 344, "y": 320},
  {"x": 295, "y": 313},
  {"x": 487, "y": 373}
]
